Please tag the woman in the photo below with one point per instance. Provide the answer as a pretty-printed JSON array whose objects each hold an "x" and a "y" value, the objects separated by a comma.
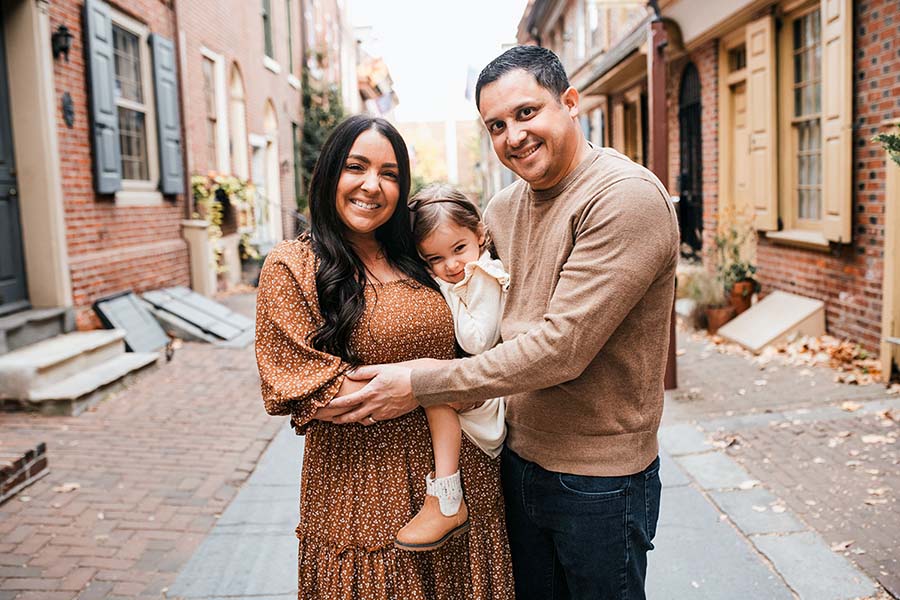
[{"x": 355, "y": 292}]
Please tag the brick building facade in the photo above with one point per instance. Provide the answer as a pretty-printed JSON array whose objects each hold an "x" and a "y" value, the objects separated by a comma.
[
  {"x": 80, "y": 241},
  {"x": 819, "y": 188},
  {"x": 98, "y": 144}
]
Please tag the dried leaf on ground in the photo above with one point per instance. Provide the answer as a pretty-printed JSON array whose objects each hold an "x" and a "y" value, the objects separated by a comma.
[
  {"x": 877, "y": 439},
  {"x": 850, "y": 406},
  {"x": 839, "y": 546},
  {"x": 67, "y": 487}
]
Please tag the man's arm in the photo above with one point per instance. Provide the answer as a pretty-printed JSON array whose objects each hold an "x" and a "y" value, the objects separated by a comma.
[{"x": 622, "y": 245}]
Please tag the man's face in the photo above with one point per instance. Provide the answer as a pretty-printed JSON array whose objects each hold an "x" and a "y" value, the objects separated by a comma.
[{"x": 534, "y": 133}]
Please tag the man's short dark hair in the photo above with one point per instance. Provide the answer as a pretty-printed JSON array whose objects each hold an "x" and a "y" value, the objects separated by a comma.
[{"x": 540, "y": 62}]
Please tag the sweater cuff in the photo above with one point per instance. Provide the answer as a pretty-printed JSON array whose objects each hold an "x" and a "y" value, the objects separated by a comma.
[{"x": 427, "y": 385}]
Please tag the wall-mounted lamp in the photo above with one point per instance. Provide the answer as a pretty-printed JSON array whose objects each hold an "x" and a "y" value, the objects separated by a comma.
[{"x": 61, "y": 41}]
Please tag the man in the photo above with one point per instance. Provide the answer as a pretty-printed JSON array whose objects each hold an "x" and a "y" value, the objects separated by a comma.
[{"x": 591, "y": 243}]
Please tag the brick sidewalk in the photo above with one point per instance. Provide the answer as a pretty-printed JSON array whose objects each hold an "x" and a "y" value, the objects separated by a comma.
[
  {"x": 154, "y": 467},
  {"x": 792, "y": 434}
]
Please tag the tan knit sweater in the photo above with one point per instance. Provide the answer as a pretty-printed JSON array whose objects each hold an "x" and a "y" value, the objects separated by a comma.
[{"x": 585, "y": 328}]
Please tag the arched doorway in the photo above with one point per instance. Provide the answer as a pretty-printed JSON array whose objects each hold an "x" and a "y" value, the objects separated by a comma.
[
  {"x": 237, "y": 121},
  {"x": 690, "y": 178}
]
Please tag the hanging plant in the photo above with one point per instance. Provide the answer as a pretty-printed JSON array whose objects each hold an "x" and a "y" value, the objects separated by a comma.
[{"x": 211, "y": 193}]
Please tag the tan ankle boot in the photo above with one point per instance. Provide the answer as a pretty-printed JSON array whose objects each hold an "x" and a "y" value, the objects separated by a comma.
[{"x": 432, "y": 527}]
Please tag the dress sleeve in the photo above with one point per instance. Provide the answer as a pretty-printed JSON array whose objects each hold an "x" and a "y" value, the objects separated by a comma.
[{"x": 296, "y": 379}]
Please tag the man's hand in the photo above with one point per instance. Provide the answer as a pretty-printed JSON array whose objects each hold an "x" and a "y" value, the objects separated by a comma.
[{"x": 387, "y": 396}]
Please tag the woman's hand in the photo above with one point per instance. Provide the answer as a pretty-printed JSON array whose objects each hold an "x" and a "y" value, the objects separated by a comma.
[{"x": 328, "y": 413}]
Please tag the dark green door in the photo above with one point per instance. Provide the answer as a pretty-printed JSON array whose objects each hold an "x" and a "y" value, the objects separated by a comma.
[{"x": 13, "y": 293}]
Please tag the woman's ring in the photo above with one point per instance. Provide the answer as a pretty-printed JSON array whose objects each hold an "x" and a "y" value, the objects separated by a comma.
[{"x": 372, "y": 420}]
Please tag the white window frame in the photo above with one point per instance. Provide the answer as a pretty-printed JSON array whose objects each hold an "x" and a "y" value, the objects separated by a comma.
[
  {"x": 141, "y": 192},
  {"x": 223, "y": 158}
]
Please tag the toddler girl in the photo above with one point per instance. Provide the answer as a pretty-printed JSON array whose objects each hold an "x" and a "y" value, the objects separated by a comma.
[{"x": 451, "y": 238}]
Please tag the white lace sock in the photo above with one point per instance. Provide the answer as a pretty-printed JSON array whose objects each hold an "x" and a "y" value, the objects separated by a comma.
[{"x": 448, "y": 491}]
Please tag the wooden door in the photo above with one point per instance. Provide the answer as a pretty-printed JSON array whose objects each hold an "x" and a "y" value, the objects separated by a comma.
[
  {"x": 13, "y": 291},
  {"x": 690, "y": 177}
]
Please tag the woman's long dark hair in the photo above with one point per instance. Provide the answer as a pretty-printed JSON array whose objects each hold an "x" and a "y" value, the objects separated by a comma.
[{"x": 341, "y": 275}]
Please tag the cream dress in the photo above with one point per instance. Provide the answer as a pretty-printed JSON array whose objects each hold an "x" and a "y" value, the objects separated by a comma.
[{"x": 476, "y": 303}]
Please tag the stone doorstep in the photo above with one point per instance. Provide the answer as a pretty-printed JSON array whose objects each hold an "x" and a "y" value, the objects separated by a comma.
[
  {"x": 20, "y": 467},
  {"x": 31, "y": 326},
  {"x": 74, "y": 395},
  {"x": 50, "y": 361}
]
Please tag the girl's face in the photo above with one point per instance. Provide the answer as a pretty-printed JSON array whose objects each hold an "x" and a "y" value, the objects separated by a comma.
[
  {"x": 368, "y": 189},
  {"x": 449, "y": 248}
]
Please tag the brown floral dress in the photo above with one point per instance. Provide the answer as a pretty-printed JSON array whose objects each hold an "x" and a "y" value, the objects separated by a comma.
[{"x": 359, "y": 484}]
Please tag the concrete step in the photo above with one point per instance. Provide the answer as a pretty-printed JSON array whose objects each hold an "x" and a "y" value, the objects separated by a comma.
[
  {"x": 40, "y": 365},
  {"x": 32, "y": 326},
  {"x": 82, "y": 390}
]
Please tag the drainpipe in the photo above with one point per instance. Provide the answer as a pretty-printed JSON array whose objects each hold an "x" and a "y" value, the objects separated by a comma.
[
  {"x": 185, "y": 161},
  {"x": 659, "y": 141}
]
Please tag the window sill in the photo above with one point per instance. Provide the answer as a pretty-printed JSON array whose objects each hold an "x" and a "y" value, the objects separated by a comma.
[
  {"x": 293, "y": 81},
  {"x": 812, "y": 240},
  {"x": 271, "y": 64},
  {"x": 128, "y": 197}
]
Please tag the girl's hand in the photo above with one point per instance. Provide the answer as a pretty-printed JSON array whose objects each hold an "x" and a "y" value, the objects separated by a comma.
[{"x": 466, "y": 405}]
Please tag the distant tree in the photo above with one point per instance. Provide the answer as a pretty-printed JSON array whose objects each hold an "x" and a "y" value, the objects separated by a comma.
[{"x": 322, "y": 111}]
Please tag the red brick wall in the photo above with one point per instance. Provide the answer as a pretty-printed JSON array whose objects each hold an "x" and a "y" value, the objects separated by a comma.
[
  {"x": 111, "y": 248},
  {"x": 234, "y": 29},
  {"x": 849, "y": 279}
]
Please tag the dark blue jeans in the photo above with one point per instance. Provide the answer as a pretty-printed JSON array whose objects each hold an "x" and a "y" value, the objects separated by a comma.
[{"x": 577, "y": 537}]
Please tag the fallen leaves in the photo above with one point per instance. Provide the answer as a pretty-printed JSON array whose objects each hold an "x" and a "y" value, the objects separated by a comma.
[
  {"x": 874, "y": 438},
  {"x": 853, "y": 363},
  {"x": 67, "y": 487},
  {"x": 841, "y": 546}
]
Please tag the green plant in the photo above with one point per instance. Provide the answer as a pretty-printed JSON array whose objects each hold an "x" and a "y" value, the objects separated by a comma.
[
  {"x": 705, "y": 289},
  {"x": 732, "y": 245},
  {"x": 322, "y": 111},
  {"x": 891, "y": 143},
  {"x": 206, "y": 190}
]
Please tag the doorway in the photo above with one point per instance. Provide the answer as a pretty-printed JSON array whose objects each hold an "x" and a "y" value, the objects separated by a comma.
[
  {"x": 13, "y": 291},
  {"x": 690, "y": 178}
]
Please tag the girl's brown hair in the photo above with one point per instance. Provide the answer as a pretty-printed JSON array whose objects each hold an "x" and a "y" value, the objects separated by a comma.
[{"x": 435, "y": 204}]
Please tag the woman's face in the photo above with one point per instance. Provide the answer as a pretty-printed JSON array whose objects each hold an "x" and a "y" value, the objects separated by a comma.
[{"x": 369, "y": 187}]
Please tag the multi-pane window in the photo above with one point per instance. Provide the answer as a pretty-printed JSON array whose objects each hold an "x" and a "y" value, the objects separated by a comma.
[
  {"x": 806, "y": 114},
  {"x": 131, "y": 104},
  {"x": 737, "y": 58},
  {"x": 290, "y": 35},
  {"x": 267, "y": 27},
  {"x": 596, "y": 26},
  {"x": 298, "y": 180},
  {"x": 209, "y": 97}
]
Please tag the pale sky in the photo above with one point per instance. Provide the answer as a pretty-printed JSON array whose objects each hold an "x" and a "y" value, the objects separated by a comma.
[{"x": 429, "y": 44}]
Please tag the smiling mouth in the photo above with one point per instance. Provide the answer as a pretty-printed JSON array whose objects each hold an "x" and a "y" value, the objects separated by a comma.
[
  {"x": 526, "y": 153},
  {"x": 364, "y": 205}
]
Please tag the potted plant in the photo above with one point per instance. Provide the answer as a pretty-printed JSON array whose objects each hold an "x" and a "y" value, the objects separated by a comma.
[
  {"x": 732, "y": 246},
  {"x": 708, "y": 293}
]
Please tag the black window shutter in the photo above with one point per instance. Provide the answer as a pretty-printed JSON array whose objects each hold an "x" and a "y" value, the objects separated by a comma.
[
  {"x": 104, "y": 115},
  {"x": 168, "y": 123}
]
